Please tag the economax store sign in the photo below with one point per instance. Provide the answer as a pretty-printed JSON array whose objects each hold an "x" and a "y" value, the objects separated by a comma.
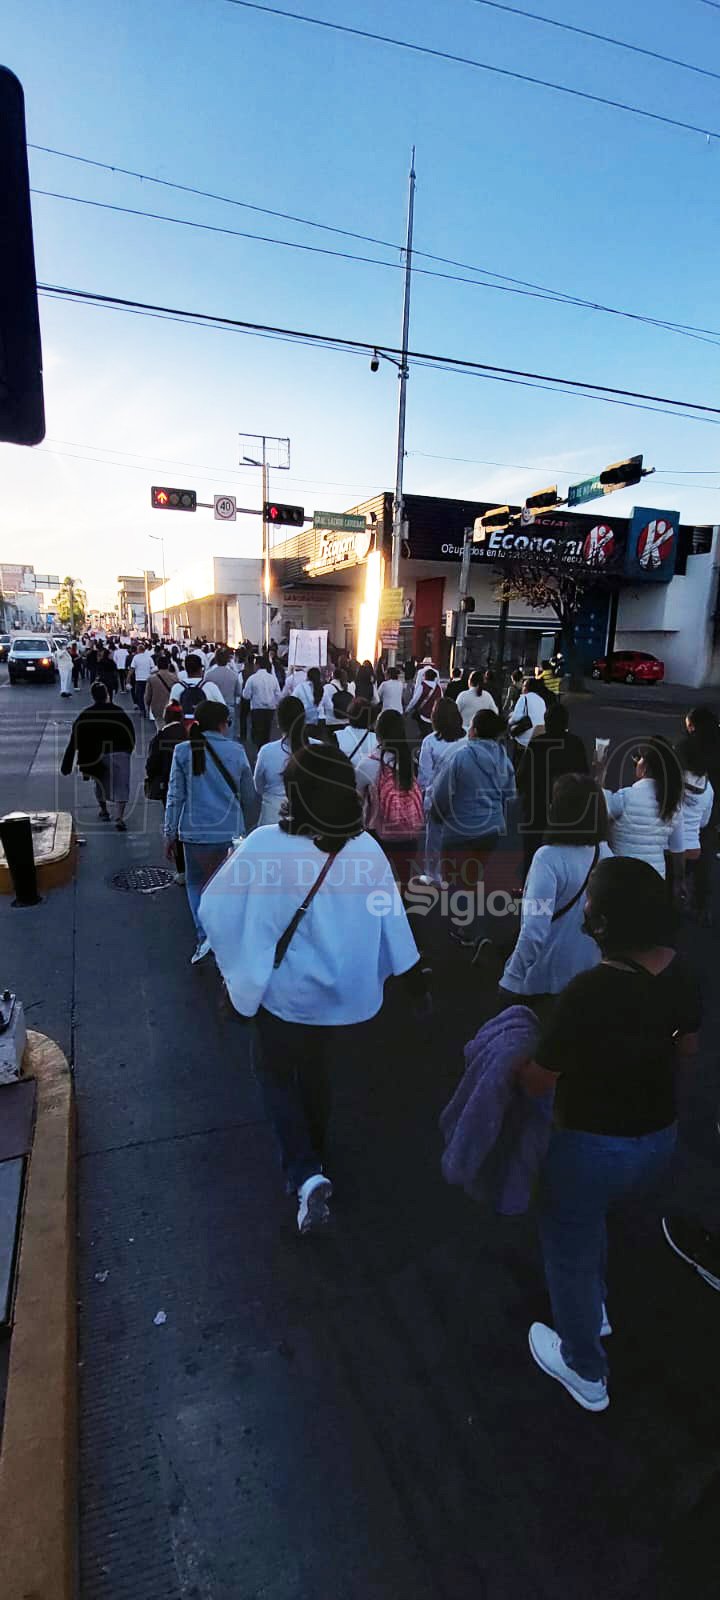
[{"x": 641, "y": 549}]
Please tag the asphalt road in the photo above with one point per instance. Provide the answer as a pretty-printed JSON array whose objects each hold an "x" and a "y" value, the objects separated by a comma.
[{"x": 355, "y": 1415}]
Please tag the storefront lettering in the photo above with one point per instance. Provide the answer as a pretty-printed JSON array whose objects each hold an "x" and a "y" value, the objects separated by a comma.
[{"x": 338, "y": 550}]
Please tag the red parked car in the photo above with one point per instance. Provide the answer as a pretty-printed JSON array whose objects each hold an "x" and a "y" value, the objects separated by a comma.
[{"x": 630, "y": 666}]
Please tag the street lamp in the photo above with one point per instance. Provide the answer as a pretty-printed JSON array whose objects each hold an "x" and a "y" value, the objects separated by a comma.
[{"x": 158, "y": 539}]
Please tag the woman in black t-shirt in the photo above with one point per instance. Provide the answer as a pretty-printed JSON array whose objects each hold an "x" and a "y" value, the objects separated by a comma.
[{"x": 610, "y": 1050}]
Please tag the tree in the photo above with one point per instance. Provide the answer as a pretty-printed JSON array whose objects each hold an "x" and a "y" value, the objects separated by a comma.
[
  {"x": 548, "y": 580},
  {"x": 71, "y": 598}
]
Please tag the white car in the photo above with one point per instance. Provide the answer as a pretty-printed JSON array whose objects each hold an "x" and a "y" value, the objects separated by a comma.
[{"x": 31, "y": 656}]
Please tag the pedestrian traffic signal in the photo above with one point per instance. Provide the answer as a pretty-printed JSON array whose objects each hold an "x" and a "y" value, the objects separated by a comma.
[
  {"x": 283, "y": 516},
  {"x": 622, "y": 474},
  {"x": 173, "y": 499},
  {"x": 22, "y": 410},
  {"x": 545, "y": 500}
]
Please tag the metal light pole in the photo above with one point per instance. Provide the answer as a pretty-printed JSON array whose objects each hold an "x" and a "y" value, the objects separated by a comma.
[
  {"x": 158, "y": 539},
  {"x": 281, "y": 463},
  {"x": 403, "y": 375}
]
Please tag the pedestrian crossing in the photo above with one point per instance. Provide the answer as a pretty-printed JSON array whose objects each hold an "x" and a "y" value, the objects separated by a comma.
[{"x": 32, "y": 741}]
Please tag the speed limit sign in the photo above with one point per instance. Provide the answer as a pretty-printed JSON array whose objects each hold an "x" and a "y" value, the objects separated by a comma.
[{"x": 225, "y": 507}]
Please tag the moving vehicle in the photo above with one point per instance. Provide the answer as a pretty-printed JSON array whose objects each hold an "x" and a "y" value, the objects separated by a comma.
[
  {"x": 31, "y": 656},
  {"x": 630, "y": 666},
  {"x": 5, "y": 643}
]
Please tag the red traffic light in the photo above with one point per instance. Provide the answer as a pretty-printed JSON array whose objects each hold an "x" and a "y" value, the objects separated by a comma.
[
  {"x": 163, "y": 499},
  {"x": 289, "y": 516}
]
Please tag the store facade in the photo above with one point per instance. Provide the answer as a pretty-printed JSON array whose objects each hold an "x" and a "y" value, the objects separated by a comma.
[{"x": 320, "y": 576}]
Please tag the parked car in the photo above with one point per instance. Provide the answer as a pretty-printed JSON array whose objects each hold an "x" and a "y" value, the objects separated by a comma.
[
  {"x": 31, "y": 657},
  {"x": 630, "y": 666},
  {"x": 5, "y": 643}
]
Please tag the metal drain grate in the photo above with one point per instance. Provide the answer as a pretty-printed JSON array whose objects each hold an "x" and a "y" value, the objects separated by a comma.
[{"x": 142, "y": 880}]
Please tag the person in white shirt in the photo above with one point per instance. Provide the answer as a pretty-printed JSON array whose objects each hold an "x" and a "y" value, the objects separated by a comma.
[
  {"x": 262, "y": 692},
  {"x": 310, "y": 959},
  {"x": 426, "y": 695},
  {"x": 120, "y": 657},
  {"x": 390, "y": 691},
  {"x": 473, "y": 699},
  {"x": 273, "y": 759},
  {"x": 646, "y": 819},
  {"x": 293, "y": 679},
  {"x": 358, "y": 740},
  {"x": 336, "y": 701},
  {"x": 191, "y": 678},
  {"x": 141, "y": 666},
  {"x": 697, "y": 808},
  {"x": 529, "y": 704},
  {"x": 434, "y": 750},
  {"x": 427, "y": 662},
  {"x": 311, "y": 694}
]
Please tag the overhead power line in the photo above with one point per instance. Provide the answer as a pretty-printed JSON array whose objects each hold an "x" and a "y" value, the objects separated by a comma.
[
  {"x": 479, "y": 66},
  {"x": 601, "y": 38},
  {"x": 518, "y": 286},
  {"x": 458, "y": 364}
]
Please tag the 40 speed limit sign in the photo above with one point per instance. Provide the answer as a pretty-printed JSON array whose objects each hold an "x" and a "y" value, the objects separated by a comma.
[{"x": 225, "y": 507}]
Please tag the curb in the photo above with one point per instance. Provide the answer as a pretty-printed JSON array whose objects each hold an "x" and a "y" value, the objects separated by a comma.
[{"x": 38, "y": 1460}]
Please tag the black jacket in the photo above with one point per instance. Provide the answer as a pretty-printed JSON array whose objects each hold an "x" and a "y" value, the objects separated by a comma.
[
  {"x": 159, "y": 759},
  {"x": 97, "y": 732},
  {"x": 546, "y": 759}
]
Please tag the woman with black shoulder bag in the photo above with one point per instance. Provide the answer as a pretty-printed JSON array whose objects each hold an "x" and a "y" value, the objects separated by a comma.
[{"x": 306, "y": 926}]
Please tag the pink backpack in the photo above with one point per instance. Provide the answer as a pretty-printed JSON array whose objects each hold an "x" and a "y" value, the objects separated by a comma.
[{"x": 399, "y": 812}]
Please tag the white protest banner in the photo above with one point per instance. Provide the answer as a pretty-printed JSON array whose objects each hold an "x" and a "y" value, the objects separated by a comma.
[{"x": 308, "y": 648}]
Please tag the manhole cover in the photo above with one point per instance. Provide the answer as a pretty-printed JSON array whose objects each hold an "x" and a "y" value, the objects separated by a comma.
[{"x": 143, "y": 880}]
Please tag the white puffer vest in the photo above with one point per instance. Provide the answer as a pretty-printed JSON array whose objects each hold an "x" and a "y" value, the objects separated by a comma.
[{"x": 636, "y": 827}]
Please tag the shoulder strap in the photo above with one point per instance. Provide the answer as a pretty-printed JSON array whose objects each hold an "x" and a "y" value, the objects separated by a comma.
[
  {"x": 293, "y": 925},
  {"x": 361, "y": 741},
  {"x": 564, "y": 909},
  {"x": 222, "y": 769}
]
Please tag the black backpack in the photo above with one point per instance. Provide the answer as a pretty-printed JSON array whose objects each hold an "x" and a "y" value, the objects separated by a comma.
[
  {"x": 341, "y": 703},
  {"x": 192, "y": 697}
]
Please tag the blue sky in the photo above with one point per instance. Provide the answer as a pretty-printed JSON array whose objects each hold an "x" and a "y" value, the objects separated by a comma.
[{"x": 510, "y": 177}]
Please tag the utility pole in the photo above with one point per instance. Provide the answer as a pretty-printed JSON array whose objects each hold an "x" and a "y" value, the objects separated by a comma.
[
  {"x": 258, "y": 443},
  {"x": 158, "y": 539},
  {"x": 403, "y": 375},
  {"x": 458, "y": 650},
  {"x": 266, "y": 548},
  {"x": 71, "y": 587}
]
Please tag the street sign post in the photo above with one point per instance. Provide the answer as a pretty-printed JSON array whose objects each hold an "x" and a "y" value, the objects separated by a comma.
[
  {"x": 589, "y": 489},
  {"x": 334, "y": 521},
  {"x": 621, "y": 475},
  {"x": 225, "y": 507}
]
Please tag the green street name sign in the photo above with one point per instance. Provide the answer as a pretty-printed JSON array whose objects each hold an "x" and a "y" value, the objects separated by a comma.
[
  {"x": 334, "y": 522},
  {"x": 589, "y": 489}
]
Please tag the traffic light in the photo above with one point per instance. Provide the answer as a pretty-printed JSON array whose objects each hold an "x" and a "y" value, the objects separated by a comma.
[
  {"x": 622, "y": 474},
  {"x": 283, "y": 516},
  {"x": 498, "y": 518},
  {"x": 173, "y": 499},
  {"x": 467, "y": 603},
  {"x": 22, "y": 410},
  {"x": 545, "y": 500}
]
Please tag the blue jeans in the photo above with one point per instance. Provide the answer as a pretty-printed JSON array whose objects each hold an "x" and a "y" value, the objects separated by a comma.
[
  {"x": 583, "y": 1176},
  {"x": 201, "y": 861}
]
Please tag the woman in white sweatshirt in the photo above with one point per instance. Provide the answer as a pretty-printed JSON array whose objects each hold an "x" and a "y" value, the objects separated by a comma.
[{"x": 646, "y": 818}]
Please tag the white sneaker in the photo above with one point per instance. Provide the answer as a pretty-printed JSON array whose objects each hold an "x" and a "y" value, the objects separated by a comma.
[
  {"x": 545, "y": 1349},
  {"x": 313, "y": 1197},
  {"x": 606, "y": 1328},
  {"x": 202, "y": 949},
  {"x": 179, "y": 877}
]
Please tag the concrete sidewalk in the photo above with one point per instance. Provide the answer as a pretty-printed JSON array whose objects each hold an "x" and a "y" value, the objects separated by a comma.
[{"x": 354, "y": 1415}]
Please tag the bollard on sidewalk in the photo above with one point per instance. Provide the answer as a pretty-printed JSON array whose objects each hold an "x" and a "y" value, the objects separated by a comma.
[{"x": 17, "y": 842}]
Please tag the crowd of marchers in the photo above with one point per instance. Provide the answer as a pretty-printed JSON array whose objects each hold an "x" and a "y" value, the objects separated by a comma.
[{"x": 376, "y": 794}]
